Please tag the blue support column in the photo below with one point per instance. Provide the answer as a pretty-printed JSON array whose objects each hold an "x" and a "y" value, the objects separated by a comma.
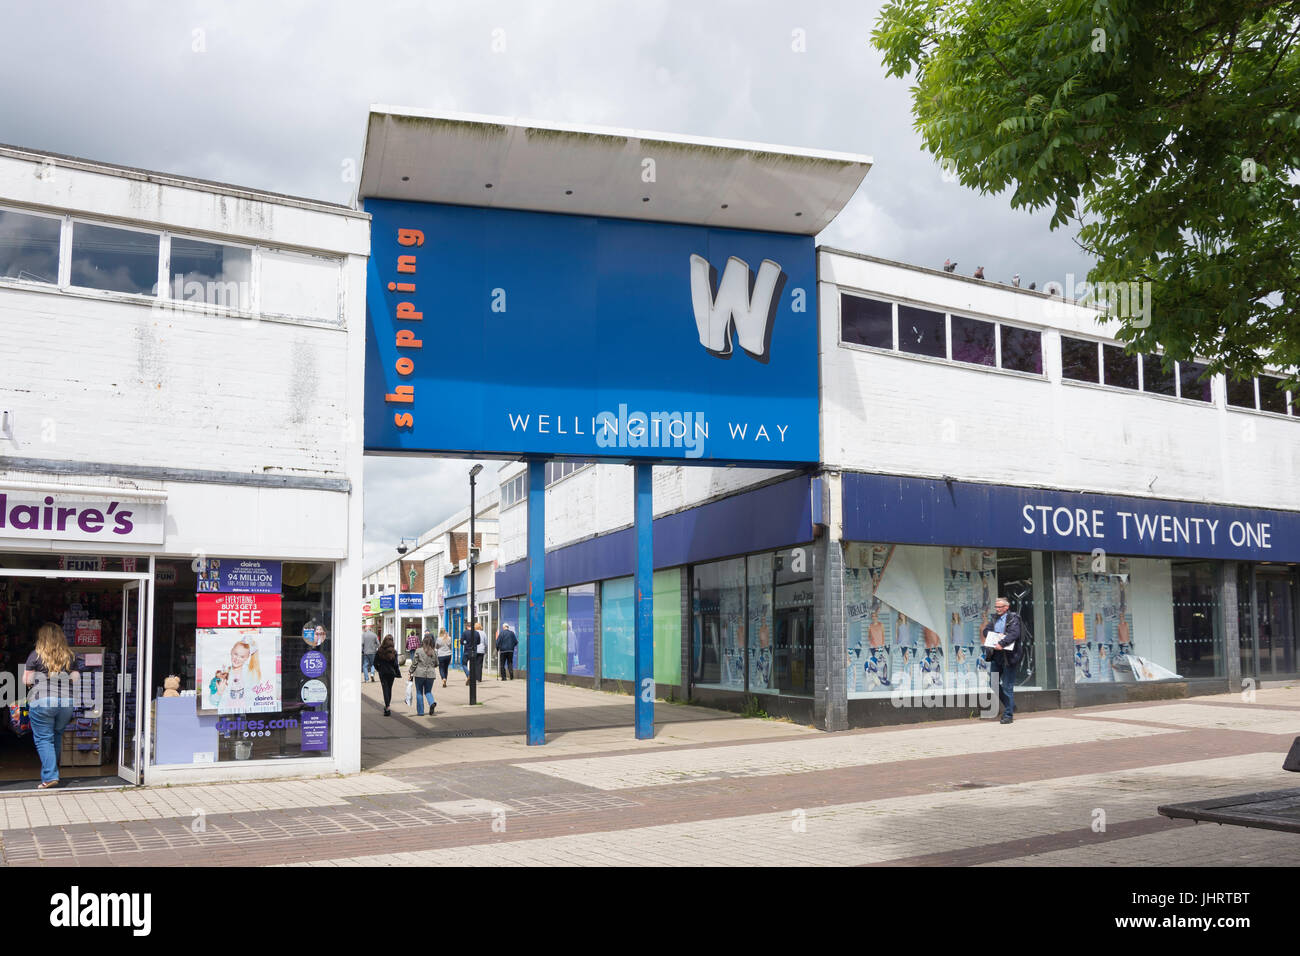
[
  {"x": 645, "y": 613},
  {"x": 536, "y": 712}
]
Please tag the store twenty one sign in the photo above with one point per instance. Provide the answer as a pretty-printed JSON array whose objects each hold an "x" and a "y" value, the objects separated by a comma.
[
  {"x": 505, "y": 331},
  {"x": 899, "y": 510},
  {"x": 53, "y": 515}
]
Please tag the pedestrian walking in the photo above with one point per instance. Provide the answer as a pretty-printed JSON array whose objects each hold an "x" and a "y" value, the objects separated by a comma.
[
  {"x": 424, "y": 668},
  {"x": 1007, "y": 628},
  {"x": 389, "y": 669},
  {"x": 478, "y": 649},
  {"x": 369, "y": 646},
  {"x": 507, "y": 641},
  {"x": 466, "y": 655},
  {"x": 443, "y": 648},
  {"x": 412, "y": 643},
  {"x": 51, "y": 675}
]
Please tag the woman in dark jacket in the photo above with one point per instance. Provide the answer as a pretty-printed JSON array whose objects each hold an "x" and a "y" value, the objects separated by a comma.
[{"x": 389, "y": 669}]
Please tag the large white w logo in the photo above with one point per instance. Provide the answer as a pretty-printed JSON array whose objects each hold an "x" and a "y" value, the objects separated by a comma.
[{"x": 735, "y": 306}]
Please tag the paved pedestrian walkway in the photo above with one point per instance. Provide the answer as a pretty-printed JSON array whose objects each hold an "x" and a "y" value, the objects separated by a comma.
[{"x": 462, "y": 787}]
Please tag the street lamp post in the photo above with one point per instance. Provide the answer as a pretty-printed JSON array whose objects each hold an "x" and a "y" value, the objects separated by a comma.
[
  {"x": 473, "y": 606},
  {"x": 397, "y": 596}
]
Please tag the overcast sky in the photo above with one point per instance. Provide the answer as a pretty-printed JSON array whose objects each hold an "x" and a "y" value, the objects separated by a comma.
[{"x": 274, "y": 95}]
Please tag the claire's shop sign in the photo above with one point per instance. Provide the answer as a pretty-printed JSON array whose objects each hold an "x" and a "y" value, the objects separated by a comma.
[{"x": 51, "y": 515}]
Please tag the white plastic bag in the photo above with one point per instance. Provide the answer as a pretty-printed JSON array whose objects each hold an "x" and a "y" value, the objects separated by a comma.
[{"x": 410, "y": 691}]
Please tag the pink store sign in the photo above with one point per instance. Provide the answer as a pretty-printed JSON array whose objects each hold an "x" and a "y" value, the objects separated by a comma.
[{"x": 52, "y": 515}]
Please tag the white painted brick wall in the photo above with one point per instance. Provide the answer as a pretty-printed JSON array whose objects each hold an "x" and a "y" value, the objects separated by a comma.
[
  {"x": 93, "y": 380},
  {"x": 899, "y": 415}
]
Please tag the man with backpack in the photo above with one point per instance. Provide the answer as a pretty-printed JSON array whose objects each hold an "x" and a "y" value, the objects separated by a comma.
[
  {"x": 1005, "y": 626},
  {"x": 507, "y": 641}
]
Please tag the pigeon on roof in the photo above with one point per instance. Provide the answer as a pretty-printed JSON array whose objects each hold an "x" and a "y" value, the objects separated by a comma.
[
  {"x": 949, "y": 265},
  {"x": 979, "y": 272},
  {"x": 1015, "y": 280}
]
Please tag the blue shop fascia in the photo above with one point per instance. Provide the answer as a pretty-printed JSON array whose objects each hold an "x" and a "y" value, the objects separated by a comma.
[{"x": 829, "y": 597}]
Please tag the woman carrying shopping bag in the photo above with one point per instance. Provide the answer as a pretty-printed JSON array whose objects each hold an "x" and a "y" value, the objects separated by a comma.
[
  {"x": 424, "y": 668},
  {"x": 388, "y": 668}
]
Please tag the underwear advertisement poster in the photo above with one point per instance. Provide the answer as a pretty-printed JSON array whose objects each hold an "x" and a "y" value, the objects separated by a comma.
[
  {"x": 914, "y": 616},
  {"x": 1102, "y": 598}
]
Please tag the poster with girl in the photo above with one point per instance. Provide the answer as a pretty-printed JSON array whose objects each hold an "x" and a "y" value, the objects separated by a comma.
[{"x": 237, "y": 670}]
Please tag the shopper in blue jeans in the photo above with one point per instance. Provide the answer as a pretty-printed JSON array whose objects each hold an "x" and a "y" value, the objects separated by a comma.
[
  {"x": 51, "y": 676},
  {"x": 424, "y": 668},
  {"x": 369, "y": 647}
]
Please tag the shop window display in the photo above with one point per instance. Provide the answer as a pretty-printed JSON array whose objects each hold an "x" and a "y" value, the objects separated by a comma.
[
  {"x": 618, "y": 628},
  {"x": 752, "y": 625},
  {"x": 1143, "y": 619},
  {"x": 718, "y": 614},
  {"x": 252, "y": 692},
  {"x": 915, "y": 615}
]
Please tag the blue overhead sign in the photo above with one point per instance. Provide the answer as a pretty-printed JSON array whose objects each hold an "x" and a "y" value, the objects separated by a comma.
[
  {"x": 405, "y": 602},
  {"x": 497, "y": 331},
  {"x": 896, "y": 510}
]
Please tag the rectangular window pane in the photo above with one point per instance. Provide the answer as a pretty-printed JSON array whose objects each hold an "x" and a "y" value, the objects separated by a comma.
[
  {"x": 866, "y": 322},
  {"x": 1079, "y": 359},
  {"x": 717, "y": 624},
  {"x": 211, "y": 273},
  {"x": 115, "y": 260},
  {"x": 973, "y": 341},
  {"x": 1120, "y": 370},
  {"x": 1156, "y": 378},
  {"x": 293, "y": 283},
  {"x": 1272, "y": 398},
  {"x": 1022, "y": 350},
  {"x": 920, "y": 332},
  {"x": 1196, "y": 384},
  {"x": 1241, "y": 393},
  {"x": 29, "y": 247}
]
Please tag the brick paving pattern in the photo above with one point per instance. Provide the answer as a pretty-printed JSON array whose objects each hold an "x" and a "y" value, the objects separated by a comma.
[{"x": 461, "y": 788}]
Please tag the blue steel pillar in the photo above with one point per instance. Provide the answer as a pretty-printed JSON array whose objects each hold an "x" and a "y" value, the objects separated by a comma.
[
  {"x": 645, "y": 596},
  {"x": 536, "y": 711}
]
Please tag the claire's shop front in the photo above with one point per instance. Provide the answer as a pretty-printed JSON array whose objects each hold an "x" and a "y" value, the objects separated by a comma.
[{"x": 194, "y": 664}]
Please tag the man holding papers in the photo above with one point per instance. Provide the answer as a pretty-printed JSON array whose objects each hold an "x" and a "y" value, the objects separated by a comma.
[{"x": 1002, "y": 638}]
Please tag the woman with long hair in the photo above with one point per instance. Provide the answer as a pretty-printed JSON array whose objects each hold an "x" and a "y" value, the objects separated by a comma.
[
  {"x": 50, "y": 675},
  {"x": 389, "y": 669},
  {"x": 443, "y": 647},
  {"x": 424, "y": 668}
]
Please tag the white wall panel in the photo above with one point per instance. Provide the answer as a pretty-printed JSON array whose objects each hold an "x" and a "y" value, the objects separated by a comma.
[{"x": 897, "y": 414}]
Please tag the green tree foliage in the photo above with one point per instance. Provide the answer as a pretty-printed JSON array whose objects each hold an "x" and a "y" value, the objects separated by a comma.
[{"x": 1166, "y": 133}]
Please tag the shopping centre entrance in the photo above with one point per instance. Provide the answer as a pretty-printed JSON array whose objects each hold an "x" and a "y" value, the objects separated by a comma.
[{"x": 103, "y": 613}]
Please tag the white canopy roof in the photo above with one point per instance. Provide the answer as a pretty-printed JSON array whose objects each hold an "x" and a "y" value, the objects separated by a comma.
[{"x": 472, "y": 160}]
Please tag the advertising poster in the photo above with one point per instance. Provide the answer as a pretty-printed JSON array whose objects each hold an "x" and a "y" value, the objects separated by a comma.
[
  {"x": 871, "y": 622},
  {"x": 237, "y": 670},
  {"x": 238, "y": 610},
  {"x": 315, "y": 729},
  {"x": 1101, "y": 598},
  {"x": 238, "y": 576},
  {"x": 760, "y": 613},
  {"x": 915, "y": 617}
]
